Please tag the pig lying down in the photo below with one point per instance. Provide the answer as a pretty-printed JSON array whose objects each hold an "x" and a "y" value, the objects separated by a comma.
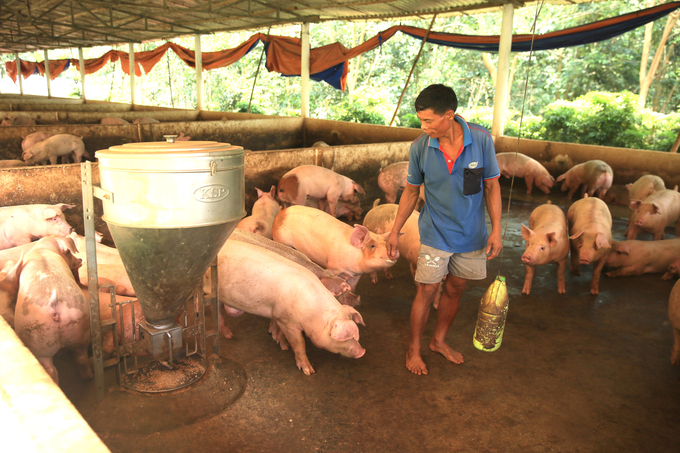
[
  {"x": 292, "y": 296},
  {"x": 25, "y": 223},
  {"x": 642, "y": 257}
]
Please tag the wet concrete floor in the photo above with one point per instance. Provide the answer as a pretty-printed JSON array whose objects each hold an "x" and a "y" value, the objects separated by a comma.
[{"x": 575, "y": 373}]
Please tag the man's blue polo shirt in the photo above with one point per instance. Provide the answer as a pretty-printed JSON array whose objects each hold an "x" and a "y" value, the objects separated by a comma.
[{"x": 452, "y": 218}]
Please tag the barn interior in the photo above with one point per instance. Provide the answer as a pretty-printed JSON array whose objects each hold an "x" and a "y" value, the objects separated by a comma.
[{"x": 575, "y": 372}]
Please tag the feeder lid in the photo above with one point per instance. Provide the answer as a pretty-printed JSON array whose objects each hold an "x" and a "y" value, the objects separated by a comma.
[{"x": 183, "y": 147}]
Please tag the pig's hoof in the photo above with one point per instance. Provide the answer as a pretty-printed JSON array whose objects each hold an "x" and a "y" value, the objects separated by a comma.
[
  {"x": 526, "y": 290},
  {"x": 595, "y": 291},
  {"x": 306, "y": 368},
  {"x": 561, "y": 290}
]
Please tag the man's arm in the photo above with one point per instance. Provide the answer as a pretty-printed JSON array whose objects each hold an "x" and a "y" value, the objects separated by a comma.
[
  {"x": 492, "y": 197},
  {"x": 407, "y": 204}
]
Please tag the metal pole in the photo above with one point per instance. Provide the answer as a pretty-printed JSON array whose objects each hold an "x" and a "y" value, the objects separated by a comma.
[
  {"x": 504, "y": 47},
  {"x": 408, "y": 79},
  {"x": 21, "y": 83},
  {"x": 47, "y": 74},
  {"x": 304, "y": 73},
  {"x": 199, "y": 74},
  {"x": 132, "y": 73},
  {"x": 82, "y": 72},
  {"x": 252, "y": 91}
]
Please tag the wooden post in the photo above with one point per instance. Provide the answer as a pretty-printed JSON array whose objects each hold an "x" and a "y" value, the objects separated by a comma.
[
  {"x": 504, "y": 47},
  {"x": 82, "y": 72},
  {"x": 304, "y": 73},
  {"x": 199, "y": 74},
  {"x": 674, "y": 148}
]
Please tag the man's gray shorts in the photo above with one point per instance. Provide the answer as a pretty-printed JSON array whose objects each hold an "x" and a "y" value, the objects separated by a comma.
[{"x": 434, "y": 264}]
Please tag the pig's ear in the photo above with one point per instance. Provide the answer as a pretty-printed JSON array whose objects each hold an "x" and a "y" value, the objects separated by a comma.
[
  {"x": 622, "y": 248},
  {"x": 656, "y": 208},
  {"x": 272, "y": 192},
  {"x": 344, "y": 330},
  {"x": 629, "y": 186},
  {"x": 64, "y": 207},
  {"x": 561, "y": 177},
  {"x": 601, "y": 241},
  {"x": 634, "y": 204},
  {"x": 357, "y": 187},
  {"x": 68, "y": 245},
  {"x": 50, "y": 213},
  {"x": 577, "y": 235},
  {"x": 97, "y": 236},
  {"x": 526, "y": 233},
  {"x": 259, "y": 193},
  {"x": 356, "y": 316},
  {"x": 12, "y": 276},
  {"x": 358, "y": 236},
  {"x": 552, "y": 241}
]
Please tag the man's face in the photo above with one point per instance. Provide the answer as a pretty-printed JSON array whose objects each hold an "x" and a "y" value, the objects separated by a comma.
[{"x": 435, "y": 125}]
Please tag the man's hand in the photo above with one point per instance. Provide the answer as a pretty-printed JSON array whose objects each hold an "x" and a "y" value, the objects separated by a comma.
[
  {"x": 392, "y": 243},
  {"x": 494, "y": 245}
]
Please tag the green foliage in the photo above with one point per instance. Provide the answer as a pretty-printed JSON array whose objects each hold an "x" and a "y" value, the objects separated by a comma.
[
  {"x": 410, "y": 120},
  {"x": 354, "y": 110},
  {"x": 243, "y": 108}
]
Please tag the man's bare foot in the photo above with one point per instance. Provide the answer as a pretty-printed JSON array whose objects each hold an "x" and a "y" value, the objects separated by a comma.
[
  {"x": 415, "y": 363},
  {"x": 445, "y": 350}
]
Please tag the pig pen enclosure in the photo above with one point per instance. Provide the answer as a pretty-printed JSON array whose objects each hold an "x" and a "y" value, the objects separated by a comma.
[{"x": 575, "y": 372}]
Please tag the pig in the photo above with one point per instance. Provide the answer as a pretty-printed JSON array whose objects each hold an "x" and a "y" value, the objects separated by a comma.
[
  {"x": 593, "y": 175},
  {"x": 51, "y": 312},
  {"x": 317, "y": 182},
  {"x": 11, "y": 163},
  {"x": 145, "y": 120},
  {"x": 350, "y": 210},
  {"x": 55, "y": 146},
  {"x": 654, "y": 214},
  {"x": 32, "y": 139},
  {"x": 108, "y": 120},
  {"x": 673, "y": 270},
  {"x": 9, "y": 287},
  {"x": 331, "y": 243},
  {"x": 17, "y": 120},
  {"x": 590, "y": 225},
  {"x": 320, "y": 144},
  {"x": 617, "y": 194},
  {"x": 264, "y": 210},
  {"x": 547, "y": 242},
  {"x": 674, "y": 318},
  {"x": 392, "y": 179},
  {"x": 644, "y": 187},
  {"x": 25, "y": 223},
  {"x": 525, "y": 167},
  {"x": 642, "y": 257},
  {"x": 292, "y": 296}
]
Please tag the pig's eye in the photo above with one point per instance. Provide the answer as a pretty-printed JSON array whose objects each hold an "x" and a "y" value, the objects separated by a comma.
[{"x": 542, "y": 248}]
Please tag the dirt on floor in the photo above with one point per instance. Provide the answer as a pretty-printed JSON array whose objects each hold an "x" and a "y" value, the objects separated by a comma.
[{"x": 575, "y": 373}]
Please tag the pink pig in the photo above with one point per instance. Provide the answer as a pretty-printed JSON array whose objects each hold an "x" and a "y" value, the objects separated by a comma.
[
  {"x": 593, "y": 175},
  {"x": 525, "y": 167},
  {"x": 673, "y": 269},
  {"x": 23, "y": 224},
  {"x": 292, "y": 296},
  {"x": 547, "y": 242},
  {"x": 331, "y": 243},
  {"x": 590, "y": 225},
  {"x": 674, "y": 318},
  {"x": 51, "y": 312},
  {"x": 108, "y": 120},
  {"x": 317, "y": 182},
  {"x": 642, "y": 257},
  {"x": 17, "y": 120},
  {"x": 265, "y": 209},
  {"x": 618, "y": 194},
  {"x": 55, "y": 146},
  {"x": 655, "y": 213},
  {"x": 32, "y": 139},
  {"x": 9, "y": 287},
  {"x": 350, "y": 210},
  {"x": 392, "y": 179}
]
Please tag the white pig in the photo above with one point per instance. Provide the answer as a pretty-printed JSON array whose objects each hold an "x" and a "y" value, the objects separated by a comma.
[
  {"x": 392, "y": 179},
  {"x": 593, "y": 175},
  {"x": 32, "y": 139},
  {"x": 55, "y": 146},
  {"x": 547, "y": 242},
  {"x": 641, "y": 257},
  {"x": 644, "y": 187},
  {"x": 590, "y": 225},
  {"x": 51, "y": 312},
  {"x": 525, "y": 167},
  {"x": 674, "y": 318},
  {"x": 25, "y": 223},
  {"x": 290, "y": 295},
  {"x": 317, "y": 182},
  {"x": 265, "y": 209},
  {"x": 9, "y": 287},
  {"x": 331, "y": 243},
  {"x": 655, "y": 213}
]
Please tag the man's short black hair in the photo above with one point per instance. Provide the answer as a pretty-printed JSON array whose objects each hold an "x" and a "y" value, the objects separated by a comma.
[{"x": 439, "y": 98}]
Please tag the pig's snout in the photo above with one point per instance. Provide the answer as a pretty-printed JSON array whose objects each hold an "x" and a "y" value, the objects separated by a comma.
[
  {"x": 585, "y": 261},
  {"x": 527, "y": 258}
]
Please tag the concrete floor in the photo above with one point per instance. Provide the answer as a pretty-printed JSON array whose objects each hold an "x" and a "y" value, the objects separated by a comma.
[{"x": 575, "y": 372}]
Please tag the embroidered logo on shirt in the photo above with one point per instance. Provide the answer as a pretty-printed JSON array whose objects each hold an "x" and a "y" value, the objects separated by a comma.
[
  {"x": 431, "y": 261},
  {"x": 473, "y": 165}
]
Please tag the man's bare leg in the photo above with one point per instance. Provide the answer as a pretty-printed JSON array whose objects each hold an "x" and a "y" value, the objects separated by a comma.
[
  {"x": 448, "y": 308},
  {"x": 420, "y": 310}
]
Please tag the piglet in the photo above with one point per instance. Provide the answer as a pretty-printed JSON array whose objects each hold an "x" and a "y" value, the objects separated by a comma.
[
  {"x": 331, "y": 243},
  {"x": 392, "y": 179},
  {"x": 317, "y": 182},
  {"x": 292, "y": 296},
  {"x": 525, "y": 167},
  {"x": 25, "y": 223},
  {"x": 674, "y": 318},
  {"x": 593, "y": 175},
  {"x": 590, "y": 225},
  {"x": 644, "y": 187},
  {"x": 618, "y": 194},
  {"x": 55, "y": 146},
  {"x": 547, "y": 242},
  {"x": 17, "y": 120},
  {"x": 9, "y": 287},
  {"x": 265, "y": 209},
  {"x": 642, "y": 257},
  {"x": 108, "y": 120},
  {"x": 655, "y": 213},
  {"x": 51, "y": 312},
  {"x": 145, "y": 120}
]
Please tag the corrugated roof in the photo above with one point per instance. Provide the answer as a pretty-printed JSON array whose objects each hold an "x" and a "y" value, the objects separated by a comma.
[{"x": 29, "y": 25}]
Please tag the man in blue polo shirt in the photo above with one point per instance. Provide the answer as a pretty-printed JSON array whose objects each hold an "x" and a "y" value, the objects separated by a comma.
[{"x": 456, "y": 163}]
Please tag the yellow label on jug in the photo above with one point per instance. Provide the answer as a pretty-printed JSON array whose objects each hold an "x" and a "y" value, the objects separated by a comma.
[{"x": 493, "y": 310}]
